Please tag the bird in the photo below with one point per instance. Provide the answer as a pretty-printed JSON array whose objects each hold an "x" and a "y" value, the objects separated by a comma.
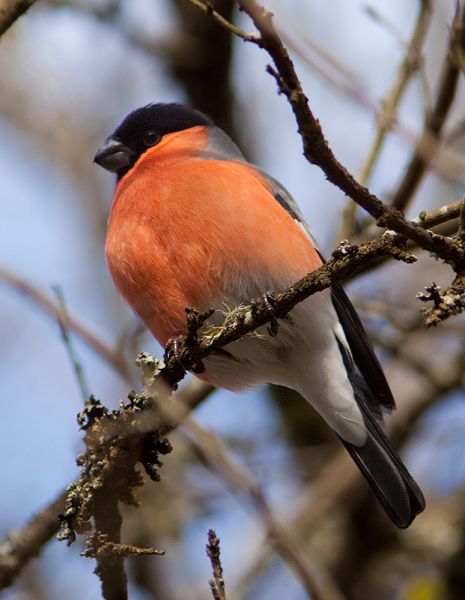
[{"x": 193, "y": 224}]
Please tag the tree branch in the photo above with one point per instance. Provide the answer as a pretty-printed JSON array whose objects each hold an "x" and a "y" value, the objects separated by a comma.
[
  {"x": 213, "y": 553},
  {"x": 19, "y": 547},
  {"x": 448, "y": 162},
  {"x": 344, "y": 262},
  {"x": 207, "y": 7},
  {"x": 409, "y": 65},
  {"x": 443, "y": 214},
  {"x": 51, "y": 308},
  {"x": 116, "y": 441},
  {"x": 436, "y": 119}
]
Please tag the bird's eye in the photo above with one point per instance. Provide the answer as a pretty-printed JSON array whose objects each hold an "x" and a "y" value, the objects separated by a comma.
[{"x": 151, "y": 138}]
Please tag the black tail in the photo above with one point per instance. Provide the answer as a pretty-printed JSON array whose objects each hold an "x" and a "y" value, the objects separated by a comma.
[
  {"x": 379, "y": 463},
  {"x": 384, "y": 470}
]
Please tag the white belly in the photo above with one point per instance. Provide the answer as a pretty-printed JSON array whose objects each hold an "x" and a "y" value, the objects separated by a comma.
[{"x": 303, "y": 356}]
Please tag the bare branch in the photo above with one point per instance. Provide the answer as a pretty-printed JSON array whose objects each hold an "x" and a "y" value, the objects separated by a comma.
[
  {"x": 207, "y": 7},
  {"x": 409, "y": 65},
  {"x": 108, "y": 521},
  {"x": 63, "y": 319},
  {"x": 116, "y": 441},
  {"x": 98, "y": 545},
  {"x": 45, "y": 304},
  {"x": 436, "y": 119},
  {"x": 317, "y": 150},
  {"x": 445, "y": 304},
  {"x": 23, "y": 545},
  {"x": 213, "y": 553},
  {"x": 20, "y": 547},
  {"x": 443, "y": 214},
  {"x": 448, "y": 163}
]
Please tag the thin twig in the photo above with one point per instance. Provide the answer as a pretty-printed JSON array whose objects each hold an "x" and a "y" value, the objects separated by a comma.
[
  {"x": 435, "y": 121},
  {"x": 445, "y": 303},
  {"x": 48, "y": 306},
  {"x": 443, "y": 214},
  {"x": 23, "y": 545},
  {"x": 63, "y": 320},
  {"x": 207, "y": 7},
  {"x": 98, "y": 545},
  {"x": 448, "y": 163},
  {"x": 213, "y": 553},
  {"x": 409, "y": 65},
  {"x": 385, "y": 23}
]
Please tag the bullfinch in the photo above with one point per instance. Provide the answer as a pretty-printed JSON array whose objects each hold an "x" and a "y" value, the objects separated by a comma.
[{"x": 193, "y": 224}]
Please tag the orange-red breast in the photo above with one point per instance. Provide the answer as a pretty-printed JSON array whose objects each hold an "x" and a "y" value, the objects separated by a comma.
[{"x": 193, "y": 224}]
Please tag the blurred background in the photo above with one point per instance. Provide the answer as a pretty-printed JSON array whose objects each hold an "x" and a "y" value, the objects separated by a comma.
[{"x": 70, "y": 70}]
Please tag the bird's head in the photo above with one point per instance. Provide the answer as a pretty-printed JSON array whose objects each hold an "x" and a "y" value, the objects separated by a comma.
[{"x": 142, "y": 129}]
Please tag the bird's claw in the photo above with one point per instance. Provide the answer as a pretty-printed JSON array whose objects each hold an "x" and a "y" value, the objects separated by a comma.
[
  {"x": 268, "y": 301},
  {"x": 172, "y": 351}
]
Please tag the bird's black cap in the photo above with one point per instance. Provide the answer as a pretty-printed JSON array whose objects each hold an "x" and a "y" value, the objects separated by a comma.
[{"x": 142, "y": 129}]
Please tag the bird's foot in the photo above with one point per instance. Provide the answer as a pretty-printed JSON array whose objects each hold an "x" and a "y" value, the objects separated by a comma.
[
  {"x": 268, "y": 301},
  {"x": 173, "y": 351}
]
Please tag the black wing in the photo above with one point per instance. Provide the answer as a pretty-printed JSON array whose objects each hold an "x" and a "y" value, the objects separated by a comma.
[{"x": 361, "y": 347}]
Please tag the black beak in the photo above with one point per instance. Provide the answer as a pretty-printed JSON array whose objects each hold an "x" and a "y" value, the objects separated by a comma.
[{"x": 113, "y": 155}]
